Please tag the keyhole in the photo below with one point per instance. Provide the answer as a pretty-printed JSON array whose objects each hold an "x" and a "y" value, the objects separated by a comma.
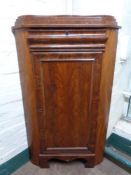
[{"x": 67, "y": 33}]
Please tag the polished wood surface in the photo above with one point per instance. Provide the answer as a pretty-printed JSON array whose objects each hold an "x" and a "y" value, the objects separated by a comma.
[
  {"x": 66, "y": 69},
  {"x": 96, "y": 21}
]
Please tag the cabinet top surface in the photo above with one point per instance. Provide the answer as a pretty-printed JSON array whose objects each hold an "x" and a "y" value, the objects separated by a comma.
[{"x": 65, "y": 21}]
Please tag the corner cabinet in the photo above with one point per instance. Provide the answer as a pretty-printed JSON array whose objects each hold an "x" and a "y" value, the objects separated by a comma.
[{"x": 66, "y": 68}]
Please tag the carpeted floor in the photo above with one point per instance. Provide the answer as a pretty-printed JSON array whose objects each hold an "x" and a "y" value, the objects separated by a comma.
[{"x": 73, "y": 168}]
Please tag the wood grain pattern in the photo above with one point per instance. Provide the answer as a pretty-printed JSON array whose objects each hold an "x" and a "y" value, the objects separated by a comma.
[
  {"x": 66, "y": 69},
  {"x": 62, "y": 21},
  {"x": 28, "y": 90}
]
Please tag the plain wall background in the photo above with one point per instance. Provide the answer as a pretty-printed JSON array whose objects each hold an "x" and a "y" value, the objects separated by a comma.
[{"x": 13, "y": 138}]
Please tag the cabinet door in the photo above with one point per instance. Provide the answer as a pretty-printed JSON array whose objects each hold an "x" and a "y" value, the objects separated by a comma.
[{"x": 67, "y": 86}]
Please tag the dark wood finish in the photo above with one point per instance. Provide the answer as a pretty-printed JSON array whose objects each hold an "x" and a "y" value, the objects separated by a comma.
[{"x": 66, "y": 69}]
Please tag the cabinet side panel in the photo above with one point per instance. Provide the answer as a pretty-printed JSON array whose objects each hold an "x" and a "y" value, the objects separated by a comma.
[
  {"x": 105, "y": 92},
  {"x": 28, "y": 93}
]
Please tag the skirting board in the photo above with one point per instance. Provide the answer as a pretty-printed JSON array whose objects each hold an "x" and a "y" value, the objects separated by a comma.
[
  {"x": 13, "y": 164},
  {"x": 118, "y": 150}
]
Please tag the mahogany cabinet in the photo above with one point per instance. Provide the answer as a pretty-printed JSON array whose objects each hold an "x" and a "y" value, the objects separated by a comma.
[{"x": 66, "y": 68}]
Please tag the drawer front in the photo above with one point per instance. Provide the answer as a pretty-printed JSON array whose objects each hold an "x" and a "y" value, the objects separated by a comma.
[
  {"x": 67, "y": 40},
  {"x": 67, "y": 88}
]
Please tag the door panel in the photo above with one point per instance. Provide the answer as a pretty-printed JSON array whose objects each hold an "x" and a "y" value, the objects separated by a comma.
[{"x": 71, "y": 91}]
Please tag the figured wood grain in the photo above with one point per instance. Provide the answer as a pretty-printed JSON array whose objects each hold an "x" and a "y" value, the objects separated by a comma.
[
  {"x": 69, "y": 40},
  {"x": 66, "y": 69},
  {"x": 62, "y": 21},
  {"x": 27, "y": 85},
  {"x": 105, "y": 91}
]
